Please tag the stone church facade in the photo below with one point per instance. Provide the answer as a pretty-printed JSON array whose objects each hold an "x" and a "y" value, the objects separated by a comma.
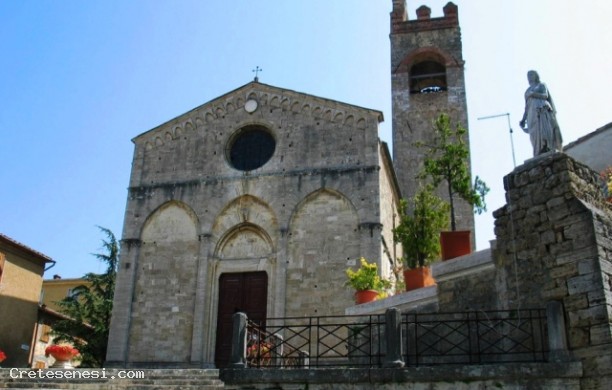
[
  {"x": 315, "y": 192},
  {"x": 260, "y": 199}
]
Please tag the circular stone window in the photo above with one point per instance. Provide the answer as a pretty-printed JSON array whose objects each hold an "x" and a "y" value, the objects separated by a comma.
[{"x": 251, "y": 148}]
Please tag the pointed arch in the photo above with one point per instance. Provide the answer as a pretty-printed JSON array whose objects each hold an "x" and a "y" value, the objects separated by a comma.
[
  {"x": 361, "y": 123},
  {"x": 244, "y": 241},
  {"x": 426, "y": 54},
  {"x": 245, "y": 210},
  {"x": 172, "y": 221},
  {"x": 338, "y": 118},
  {"x": 295, "y": 106},
  {"x": 328, "y": 115},
  {"x": 285, "y": 104},
  {"x": 178, "y": 132},
  {"x": 427, "y": 68},
  {"x": 165, "y": 286},
  {"x": 323, "y": 240}
]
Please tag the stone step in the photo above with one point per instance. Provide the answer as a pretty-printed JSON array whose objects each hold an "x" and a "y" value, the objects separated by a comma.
[
  {"x": 109, "y": 386},
  {"x": 112, "y": 387},
  {"x": 152, "y": 379},
  {"x": 179, "y": 382}
]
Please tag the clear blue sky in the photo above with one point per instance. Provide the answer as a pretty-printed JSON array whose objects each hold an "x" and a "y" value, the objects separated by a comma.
[{"x": 80, "y": 79}]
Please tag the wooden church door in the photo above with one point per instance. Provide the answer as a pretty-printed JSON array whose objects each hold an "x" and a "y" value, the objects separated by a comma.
[{"x": 245, "y": 292}]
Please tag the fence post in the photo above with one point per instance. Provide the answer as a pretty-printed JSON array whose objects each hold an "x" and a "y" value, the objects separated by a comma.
[
  {"x": 304, "y": 359},
  {"x": 393, "y": 338},
  {"x": 239, "y": 341},
  {"x": 557, "y": 338},
  {"x": 276, "y": 352}
]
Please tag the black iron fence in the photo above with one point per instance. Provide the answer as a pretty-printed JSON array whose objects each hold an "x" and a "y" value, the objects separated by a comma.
[
  {"x": 332, "y": 341},
  {"x": 475, "y": 337},
  {"x": 418, "y": 339}
]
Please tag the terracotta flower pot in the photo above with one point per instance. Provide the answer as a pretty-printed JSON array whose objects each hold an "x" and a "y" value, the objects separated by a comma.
[
  {"x": 417, "y": 278},
  {"x": 455, "y": 244},
  {"x": 62, "y": 356},
  {"x": 62, "y": 360},
  {"x": 364, "y": 296}
]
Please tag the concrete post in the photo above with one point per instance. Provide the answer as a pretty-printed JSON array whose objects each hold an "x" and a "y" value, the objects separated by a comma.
[
  {"x": 557, "y": 337},
  {"x": 393, "y": 338},
  {"x": 239, "y": 341}
]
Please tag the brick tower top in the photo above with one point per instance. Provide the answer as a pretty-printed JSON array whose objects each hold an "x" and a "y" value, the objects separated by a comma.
[{"x": 424, "y": 22}]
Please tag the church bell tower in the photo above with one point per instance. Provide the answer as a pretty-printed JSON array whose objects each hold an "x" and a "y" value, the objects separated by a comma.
[{"x": 426, "y": 80}]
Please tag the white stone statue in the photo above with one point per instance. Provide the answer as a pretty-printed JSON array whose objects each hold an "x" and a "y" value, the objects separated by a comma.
[{"x": 540, "y": 117}]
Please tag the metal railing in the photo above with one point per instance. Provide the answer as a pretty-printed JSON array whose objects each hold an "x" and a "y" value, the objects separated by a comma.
[
  {"x": 426, "y": 339},
  {"x": 475, "y": 337},
  {"x": 316, "y": 341}
]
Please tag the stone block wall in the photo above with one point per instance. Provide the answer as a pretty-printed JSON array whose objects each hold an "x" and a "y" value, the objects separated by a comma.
[
  {"x": 451, "y": 377},
  {"x": 553, "y": 244},
  {"x": 466, "y": 283}
]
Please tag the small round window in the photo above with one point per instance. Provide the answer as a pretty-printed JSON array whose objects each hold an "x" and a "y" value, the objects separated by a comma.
[{"x": 251, "y": 148}]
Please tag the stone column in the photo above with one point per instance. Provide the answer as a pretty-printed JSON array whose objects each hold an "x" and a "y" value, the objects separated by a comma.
[
  {"x": 369, "y": 237},
  {"x": 118, "y": 338},
  {"x": 280, "y": 273},
  {"x": 393, "y": 338},
  {"x": 557, "y": 338},
  {"x": 239, "y": 341},
  {"x": 197, "y": 339}
]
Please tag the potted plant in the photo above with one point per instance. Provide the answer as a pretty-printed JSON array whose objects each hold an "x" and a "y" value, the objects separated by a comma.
[
  {"x": 446, "y": 161},
  {"x": 418, "y": 232},
  {"x": 366, "y": 281},
  {"x": 62, "y": 353}
]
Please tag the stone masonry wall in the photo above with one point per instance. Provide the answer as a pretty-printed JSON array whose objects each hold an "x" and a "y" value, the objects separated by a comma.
[
  {"x": 451, "y": 377},
  {"x": 553, "y": 243},
  {"x": 466, "y": 283}
]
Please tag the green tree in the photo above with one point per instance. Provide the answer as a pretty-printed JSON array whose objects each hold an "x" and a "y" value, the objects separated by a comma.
[
  {"x": 446, "y": 160},
  {"x": 89, "y": 308},
  {"x": 421, "y": 220}
]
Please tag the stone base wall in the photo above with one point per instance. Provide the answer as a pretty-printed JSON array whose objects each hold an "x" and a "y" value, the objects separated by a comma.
[
  {"x": 509, "y": 376},
  {"x": 553, "y": 244}
]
